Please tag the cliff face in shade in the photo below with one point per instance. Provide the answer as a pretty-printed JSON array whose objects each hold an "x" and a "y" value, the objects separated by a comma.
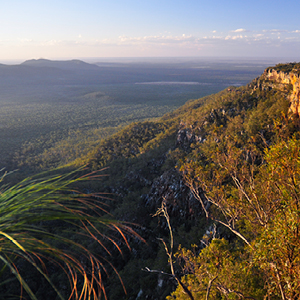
[{"x": 289, "y": 81}]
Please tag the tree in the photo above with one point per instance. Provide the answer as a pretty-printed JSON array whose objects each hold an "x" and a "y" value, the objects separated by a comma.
[
  {"x": 277, "y": 248},
  {"x": 218, "y": 272},
  {"x": 257, "y": 198}
]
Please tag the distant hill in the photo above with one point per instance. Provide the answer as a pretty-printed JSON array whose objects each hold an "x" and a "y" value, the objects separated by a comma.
[
  {"x": 34, "y": 74},
  {"x": 74, "y": 64}
]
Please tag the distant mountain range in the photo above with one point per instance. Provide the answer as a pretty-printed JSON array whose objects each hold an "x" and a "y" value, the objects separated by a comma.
[{"x": 74, "y": 64}]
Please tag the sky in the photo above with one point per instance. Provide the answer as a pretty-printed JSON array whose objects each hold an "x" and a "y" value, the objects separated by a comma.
[{"x": 65, "y": 29}]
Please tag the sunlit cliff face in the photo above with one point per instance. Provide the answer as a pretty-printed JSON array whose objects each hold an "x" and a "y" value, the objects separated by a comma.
[{"x": 292, "y": 79}]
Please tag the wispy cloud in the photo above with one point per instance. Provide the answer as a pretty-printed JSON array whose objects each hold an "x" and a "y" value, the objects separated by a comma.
[
  {"x": 51, "y": 43},
  {"x": 235, "y": 37},
  {"x": 239, "y": 30},
  {"x": 275, "y": 31},
  {"x": 217, "y": 43},
  {"x": 157, "y": 39},
  {"x": 173, "y": 40}
]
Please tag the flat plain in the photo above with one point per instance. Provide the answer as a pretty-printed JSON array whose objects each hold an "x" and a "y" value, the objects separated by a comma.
[{"x": 68, "y": 106}]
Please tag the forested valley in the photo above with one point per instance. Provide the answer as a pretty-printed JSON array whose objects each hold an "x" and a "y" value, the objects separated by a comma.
[{"x": 206, "y": 198}]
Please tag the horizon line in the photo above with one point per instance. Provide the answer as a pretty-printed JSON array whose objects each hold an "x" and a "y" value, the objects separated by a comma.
[{"x": 153, "y": 58}]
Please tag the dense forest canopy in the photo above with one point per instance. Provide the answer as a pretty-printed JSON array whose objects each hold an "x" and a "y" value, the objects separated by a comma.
[{"x": 53, "y": 112}]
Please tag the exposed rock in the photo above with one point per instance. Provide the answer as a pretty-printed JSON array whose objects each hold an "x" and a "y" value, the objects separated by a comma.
[
  {"x": 284, "y": 81},
  {"x": 186, "y": 136},
  {"x": 169, "y": 187}
]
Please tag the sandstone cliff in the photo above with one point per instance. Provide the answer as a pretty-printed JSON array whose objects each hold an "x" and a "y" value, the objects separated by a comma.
[{"x": 288, "y": 81}]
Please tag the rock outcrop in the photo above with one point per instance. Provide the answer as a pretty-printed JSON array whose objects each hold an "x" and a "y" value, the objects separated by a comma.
[
  {"x": 286, "y": 81},
  {"x": 169, "y": 187}
]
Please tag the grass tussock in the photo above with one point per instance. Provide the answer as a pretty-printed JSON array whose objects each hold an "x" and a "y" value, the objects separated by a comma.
[{"x": 45, "y": 221}]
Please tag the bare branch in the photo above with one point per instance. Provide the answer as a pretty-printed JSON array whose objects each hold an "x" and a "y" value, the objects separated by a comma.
[
  {"x": 209, "y": 287},
  {"x": 163, "y": 210},
  {"x": 235, "y": 232}
]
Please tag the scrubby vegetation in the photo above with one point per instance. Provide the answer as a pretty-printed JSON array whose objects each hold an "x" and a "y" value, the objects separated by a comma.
[
  {"x": 224, "y": 170},
  {"x": 230, "y": 150},
  {"x": 291, "y": 67}
]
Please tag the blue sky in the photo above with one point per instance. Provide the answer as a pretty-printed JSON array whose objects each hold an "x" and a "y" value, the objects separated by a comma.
[{"x": 142, "y": 28}]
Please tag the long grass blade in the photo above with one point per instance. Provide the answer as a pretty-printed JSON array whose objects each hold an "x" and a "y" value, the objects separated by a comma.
[{"x": 19, "y": 277}]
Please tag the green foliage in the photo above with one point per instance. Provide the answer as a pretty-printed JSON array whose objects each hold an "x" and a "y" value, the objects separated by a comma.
[
  {"x": 250, "y": 187},
  {"x": 218, "y": 272},
  {"x": 261, "y": 200},
  {"x": 277, "y": 249},
  {"x": 132, "y": 141},
  {"x": 220, "y": 154},
  {"x": 291, "y": 67}
]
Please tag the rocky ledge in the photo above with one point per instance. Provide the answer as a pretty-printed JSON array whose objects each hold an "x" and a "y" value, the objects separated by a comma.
[{"x": 286, "y": 80}]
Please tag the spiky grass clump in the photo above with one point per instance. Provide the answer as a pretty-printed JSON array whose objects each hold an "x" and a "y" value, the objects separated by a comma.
[{"x": 41, "y": 221}]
